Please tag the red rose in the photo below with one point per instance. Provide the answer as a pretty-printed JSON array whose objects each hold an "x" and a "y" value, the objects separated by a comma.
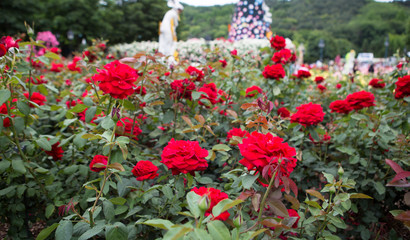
[
  {"x": 56, "y": 151},
  {"x": 182, "y": 89},
  {"x": 56, "y": 67},
  {"x": 359, "y": 100},
  {"x": 211, "y": 93},
  {"x": 196, "y": 73},
  {"x": 184, "y": 157},
  {"x": 278, "y": 42},
  {"x": 338, "y": 86},
  {"x": 9, "y": 42},
  {"x": 234, "y": 52},
  {"x": 274, "y": 72},
  {"x": 402, "y": 87},
  {"x": 303, "y": 73},
  {"x": 37, "y": 98},
  {"x": 91, "y": 56},
  {"x": 283, "y": 112},
  {"x": 145, "y": 170},
  {"x": 400, "y": 65},
  {"x": 321, "y": 87},
  {"x": 224, "y": 63},
  {"x": 3, "y": 50},
  {"x": 224, "y": 97},
  {"x": 167, "y": 74},
  {"x": 72, "y": 66},
  {"x": 54, "y": 50},
  {"x": 377, "y": 83},
  {"x": 253, "y": 91},
  {"x": 37, "y": 81},
  {"x": 260, "y": 150},
  {"x": 214, "y": 196},
  {"x": 125, "y": 125},
  {"x": 143, "y": 92},
  {"x": 340, "y": 106},
  {"x": 293, "y": 214},
  {"x": 283, "y": 56},
  {"x": 319, "y": 79},
  {"x": 308, "y": 114},
  {"x": 6, "y": 120},
  {"x": 117, "y": 79},
  {"x": 236, "y": 132},
  {"x": 99, "y": 163}
]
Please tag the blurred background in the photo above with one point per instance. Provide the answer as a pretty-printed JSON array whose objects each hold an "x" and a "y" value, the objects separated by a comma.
[{"x": 381, "y": 28}]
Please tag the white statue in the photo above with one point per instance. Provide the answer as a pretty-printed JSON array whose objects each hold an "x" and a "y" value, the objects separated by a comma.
[{"x": 167, "y": 30}]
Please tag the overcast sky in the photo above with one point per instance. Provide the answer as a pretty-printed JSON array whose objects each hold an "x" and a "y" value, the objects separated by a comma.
[{"x": 222, "y": 2}]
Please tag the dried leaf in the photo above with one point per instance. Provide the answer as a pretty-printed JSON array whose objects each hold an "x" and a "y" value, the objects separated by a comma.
[
  {"x": 200, "y": 119},
  {"x": 315, "y": 194},
  {"x": 187, "y": 120},
  {"x": 293, "y": 200},
  {"x": 232, "y": 113}
]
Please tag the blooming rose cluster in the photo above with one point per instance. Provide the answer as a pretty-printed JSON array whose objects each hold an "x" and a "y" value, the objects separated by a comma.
[
  {"x": 56, "y": 67},
  {"x": 377, "y": 83},
  {"x": 117, "y": 79},
  {"x": 36, "y": 97},
  {"x": 360, "y": 100},
  {"x": 214, "y": 196},
  {"x": 99, "y": 163},
  {"x": 184, "y": 157},
  {"x": 402, "y": 87},
  {"x": 72, "y": 66},
  {"x": 321, "y": 87},
  {"x": 223, "y": 62},
  {"x": 275, "y": 71},
  {"x": 236, "y": 132},
  {"x": 126, "y": 126},
  {"x": 6, "y": 43},
  {"x": 319, "y": 79},
  {"x": 278, "y": 42},
  {"x": 340, "y": 106},
  {"x": 197, "y": 74},
  {"x": 210, "y": 93},
  {"x": 283, "y": 56},
  {"x": 283, "y": 112},
  {"x": 308, "y": 114},
  {"x": 303, "y": 73},
  {"x": 182, "y": 89},
  {"x": 144, "y": 170},
  {"x": 260, "y": 150},
  {"x": 56, "y": 151},
  {"x": 253, "y": 91}
]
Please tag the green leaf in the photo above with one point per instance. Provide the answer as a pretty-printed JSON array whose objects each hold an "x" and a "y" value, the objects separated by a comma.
[
  {"x": 7, "y": 190},
  {"x": 360, "y": 195},
  {"x": 260, "y": 231},
  {"x": 313, "y": 204},
  {"x": 224, "y": 205},
  {"x": 201, "y": 234},
  {"x": 4, "y": 165},
  {"x": 168, "y": 192},
  {"x": 108, "y": 209},
  {"x": 159, "y": 223},
  {"x": 133, "y": 211},
  {"x": 196, "y": 95},
  {"x": 248, "y": 181},
  {"x": 380, "y": 188},
  {"x": 118, "y": 201},
  {"x": 337, "y": 222},
  {"x": 91, "y": 232},
  {"x": 4, "y": 95},
  {"x": 329, "y": 177},
  {"x": 176, "y": 233},
  {"x": 18, "y": 166},
  {"x": 78, "y": 108},
  {"x": 46, "y": 232},
  {"x": 64, "y": 230},
  {"x": 193, "y": 200},
  {"x": 118, "y": 231},
  {"x": 23, "y": 107},
  {"x": 221, "y": 147},
  {"x": 276, "y": 91},
  {"x": 49, "y": 210},
  {"x": 347, "y": 150},
  {"x": 107, "y": 123},
  {"x": 128, "y": 105},
  {"x": 218, "y": 230},
  {"x": 90, "y": 113},
  {"x": 44, "y": 144},
  {"x": 52, "y": 56},
  {"x": 168, "y": 117}
]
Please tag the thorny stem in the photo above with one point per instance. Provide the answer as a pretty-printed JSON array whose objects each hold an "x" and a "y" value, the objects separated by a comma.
[{"x": 262, "y": 206}]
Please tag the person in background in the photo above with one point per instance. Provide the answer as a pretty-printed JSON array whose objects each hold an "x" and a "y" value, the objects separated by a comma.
[{"x": 167, "y": 30}]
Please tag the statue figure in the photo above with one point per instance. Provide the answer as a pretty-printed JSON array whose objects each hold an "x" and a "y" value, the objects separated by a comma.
[
  {"x": 251, "y": 19},
  {"x": 167, "y": 29}
]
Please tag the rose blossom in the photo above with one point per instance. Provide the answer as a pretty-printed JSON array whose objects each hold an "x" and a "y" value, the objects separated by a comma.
[
  {"x": 283, "y": 56},
  {"x": 360, "y": 100},
  {"x": 56, "y": 67},
  {"x": 340, "y": 106},
  {"x": 72, "y": 66},
  {"x": 3, "y": 50},
  {"x": 56, "y": 151},
  {"x": 308, "y": 114},
  {"x": 321, "y": 87},
  {"x": 211, "y": 93},
  {"x": 253, "y": 91},
  {"x": 260, "y": 150},
  {"x": 236, "y": 132},
  {"x": 303, "y": 73},
  {"x": 319, "y": 79},
  {"x": 223, "y": 62},
  {"x": 377, "y": 83},
  {"x": 278, "y": 42},
  {"x": 144, "y": 170},
  {"x": 196, "y": 73},
  {"x": 214, "y": 196},
  {"x": 274, "y": 72},
  {"x": 182, "y": 89},
  {"x": 402, "y": 87},
  {"x": 338, "y": 86},
  {"x": 283, "y": 112},
  {"x": 100, "y": 160},
  {"x": 37, "y": 98},
  {"x": 9, "y": 42},
  {"x": 234, "y": 52},
  {"x": 184, "y": 156},
  {"x": 117, "y": 79}
]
